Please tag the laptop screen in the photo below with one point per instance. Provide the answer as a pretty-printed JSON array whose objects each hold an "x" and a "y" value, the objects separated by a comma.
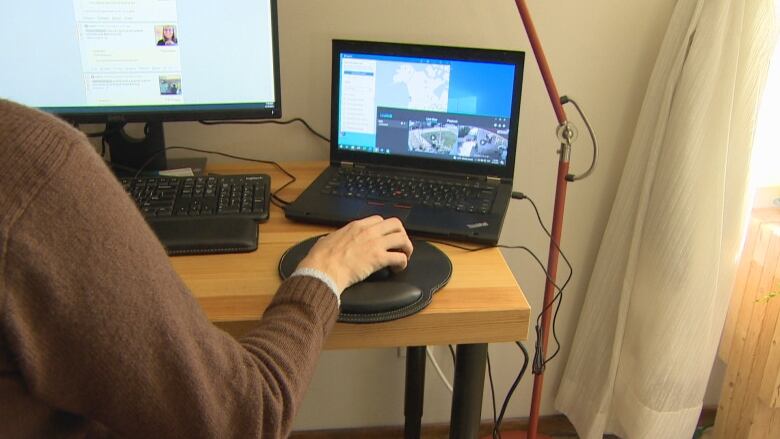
[{"x": 444, "y": 106}]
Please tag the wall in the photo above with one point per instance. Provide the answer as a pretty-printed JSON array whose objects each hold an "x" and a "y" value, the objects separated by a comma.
[{"x": 601, "y": 53}]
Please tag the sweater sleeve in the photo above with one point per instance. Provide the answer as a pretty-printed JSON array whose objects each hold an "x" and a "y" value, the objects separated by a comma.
[{"x": 102, "y": 327}]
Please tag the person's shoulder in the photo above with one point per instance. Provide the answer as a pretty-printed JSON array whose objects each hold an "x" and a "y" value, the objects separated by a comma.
[
  {"x": 33, "y": 145},
  {"x": 17, "y": 120},
  {"x": 30, "y": 137},
  {"x": 161, "y": 43}
]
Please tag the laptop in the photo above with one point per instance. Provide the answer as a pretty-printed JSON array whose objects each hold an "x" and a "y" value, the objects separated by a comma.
[{"x": 427, "y": 134}]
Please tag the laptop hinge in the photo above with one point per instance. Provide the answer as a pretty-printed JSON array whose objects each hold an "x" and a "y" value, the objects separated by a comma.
[
  {"x": 349, "y": 165},
  {"x": 490, "y": 178}
]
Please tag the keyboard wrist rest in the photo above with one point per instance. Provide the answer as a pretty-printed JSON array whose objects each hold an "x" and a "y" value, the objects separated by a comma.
[{"x": 207, "y": 235}]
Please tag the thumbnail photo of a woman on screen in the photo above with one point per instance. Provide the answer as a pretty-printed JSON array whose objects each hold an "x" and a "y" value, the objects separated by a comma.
[{"x": 168, "y": 36}]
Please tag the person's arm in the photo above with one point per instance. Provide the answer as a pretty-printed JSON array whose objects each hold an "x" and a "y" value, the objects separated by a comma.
[{"x": 103, "y": 328}]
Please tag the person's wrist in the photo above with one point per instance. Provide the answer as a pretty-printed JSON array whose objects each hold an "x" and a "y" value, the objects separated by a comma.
[
  {"x": 328, "y": 269},
  {"x": 305, "y": 271}
]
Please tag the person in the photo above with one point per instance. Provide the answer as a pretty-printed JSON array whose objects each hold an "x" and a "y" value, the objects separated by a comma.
[
  {"x": 168, "y": 36},
  {"x": 100, "y": 337}
]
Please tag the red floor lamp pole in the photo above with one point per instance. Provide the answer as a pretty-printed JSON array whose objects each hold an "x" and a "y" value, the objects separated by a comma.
[{"x": 565, "y": 134}]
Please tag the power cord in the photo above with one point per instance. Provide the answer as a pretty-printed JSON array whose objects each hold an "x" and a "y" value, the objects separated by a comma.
[
  {"x": 497, "y": 423},
  {"x": 539, "y": 360},
  {"x": 263, "y": 122},
  {"x": 435, "y": 363},
  {"x": 699, "y": 432},
  {"x": 492, "y": 391},
  {"x": 101, "y": 134},
  {"x": 539, "y": 365},
  {"x": 458, "y": 246}
]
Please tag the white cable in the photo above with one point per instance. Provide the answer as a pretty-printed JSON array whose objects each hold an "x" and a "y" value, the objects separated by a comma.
[{"x": 438, "y": 369}]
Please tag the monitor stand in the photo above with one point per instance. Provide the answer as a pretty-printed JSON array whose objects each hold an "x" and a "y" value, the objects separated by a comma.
[{"x": 129, "y": 154}]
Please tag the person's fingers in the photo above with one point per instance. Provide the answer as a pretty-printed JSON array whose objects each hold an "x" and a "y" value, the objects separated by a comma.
[
  {"x": 390, "y": 225},
  {"x": 399, "y": 242},
  {"x": 355, "y": 226},
  {"x": 368, "y": 221},
  {"x": 397, "y": 261}
]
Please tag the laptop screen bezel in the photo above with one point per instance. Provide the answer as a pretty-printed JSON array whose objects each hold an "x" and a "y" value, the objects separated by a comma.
[{"x": 515, "y": 58}]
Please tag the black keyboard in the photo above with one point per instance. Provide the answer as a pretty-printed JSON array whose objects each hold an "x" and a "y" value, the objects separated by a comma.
[
  {"x": 442, "y": 193},
  {"x": 238, "y": 196}
]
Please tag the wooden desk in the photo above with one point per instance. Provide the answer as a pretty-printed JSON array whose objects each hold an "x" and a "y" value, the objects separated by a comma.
[{"x": 482, "y": 303}]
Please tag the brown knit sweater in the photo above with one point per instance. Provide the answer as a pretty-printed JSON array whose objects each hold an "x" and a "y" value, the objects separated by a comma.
[{"x": 100, "y": 337}]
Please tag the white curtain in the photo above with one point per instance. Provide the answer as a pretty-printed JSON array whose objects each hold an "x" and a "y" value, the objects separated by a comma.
[{"x": 655, "y": 306}]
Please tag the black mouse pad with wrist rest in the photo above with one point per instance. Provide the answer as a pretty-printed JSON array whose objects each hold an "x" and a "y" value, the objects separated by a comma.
[{"x": 385, "y": 295}]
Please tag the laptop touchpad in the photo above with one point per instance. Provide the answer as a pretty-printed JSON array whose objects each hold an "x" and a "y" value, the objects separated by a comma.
[{"x": 385, "y": 211}]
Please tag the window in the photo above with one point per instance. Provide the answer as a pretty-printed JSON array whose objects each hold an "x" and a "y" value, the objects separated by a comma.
[{"x": 765, "y": 159}]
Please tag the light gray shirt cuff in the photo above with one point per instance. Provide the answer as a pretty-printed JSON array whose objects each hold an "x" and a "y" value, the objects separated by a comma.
[{"x": 321, "y": 276}]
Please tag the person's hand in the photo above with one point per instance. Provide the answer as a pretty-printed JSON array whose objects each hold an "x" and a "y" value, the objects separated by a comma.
[{"x": 360, "y": 248}]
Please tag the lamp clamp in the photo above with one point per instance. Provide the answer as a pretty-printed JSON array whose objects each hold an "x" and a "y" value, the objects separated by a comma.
[{"x": 567, "y": 132}]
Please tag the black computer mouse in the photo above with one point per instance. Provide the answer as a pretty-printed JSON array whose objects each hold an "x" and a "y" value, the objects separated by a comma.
[{"x": 380, "y": 275}]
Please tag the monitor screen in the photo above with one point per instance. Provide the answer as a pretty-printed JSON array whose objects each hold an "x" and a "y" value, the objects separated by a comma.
[{"x": 141, "y": 60}]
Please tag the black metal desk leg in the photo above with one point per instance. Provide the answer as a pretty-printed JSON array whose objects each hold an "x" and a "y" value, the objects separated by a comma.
[
  {"x": 415, "y": 390},
  {"x": 467, "y": 393}
]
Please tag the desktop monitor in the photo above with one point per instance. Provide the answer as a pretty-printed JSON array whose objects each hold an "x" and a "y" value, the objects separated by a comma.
[{"x": 113, "y": 62}]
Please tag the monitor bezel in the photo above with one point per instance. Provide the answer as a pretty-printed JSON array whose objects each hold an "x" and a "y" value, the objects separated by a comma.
[
  {"x": 516, "y": 58},
  {"x": 190, "y": 112}
]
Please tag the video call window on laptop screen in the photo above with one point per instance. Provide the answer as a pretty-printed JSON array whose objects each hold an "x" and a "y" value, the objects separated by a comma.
[{"x": 433, "y": 108}]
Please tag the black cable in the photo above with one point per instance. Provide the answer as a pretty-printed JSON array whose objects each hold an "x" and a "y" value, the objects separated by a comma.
[
  {"x": 536, "y": 258},
  {"x": 120, "y": 167},
  {"x": 701, "y": 429},
  {"x": 492, "y": 391},
  {"x": 101, "y": 134},
  {"x": 558, "y": 298},
  {"x": 497, "y": 424},
  {"x": 514, "y": 247},
  {"x": 275, "y": 199},
  {"x": 571, "y": 177},
  {"x": 452, "y": 352},
  {"x": 277, "y": 203},
  {"x": 98, "y": 134},
  {"x": 262, "y": 122},
  {"x": 539, "y": 360},
  {"x": 461, "y": 247}
]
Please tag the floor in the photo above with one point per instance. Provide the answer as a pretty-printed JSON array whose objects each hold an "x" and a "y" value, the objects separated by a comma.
[{"x": 556, "y": 427}]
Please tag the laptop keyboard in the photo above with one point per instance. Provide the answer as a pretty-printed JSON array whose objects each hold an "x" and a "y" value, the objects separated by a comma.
[{"x": 408, "y": 191}]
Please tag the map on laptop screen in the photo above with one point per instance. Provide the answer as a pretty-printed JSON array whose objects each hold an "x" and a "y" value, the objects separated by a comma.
[{"x": 425, "y": 107}]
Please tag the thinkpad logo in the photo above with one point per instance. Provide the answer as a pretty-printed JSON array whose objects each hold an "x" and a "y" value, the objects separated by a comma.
[{"x": 477, "y": 225}]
